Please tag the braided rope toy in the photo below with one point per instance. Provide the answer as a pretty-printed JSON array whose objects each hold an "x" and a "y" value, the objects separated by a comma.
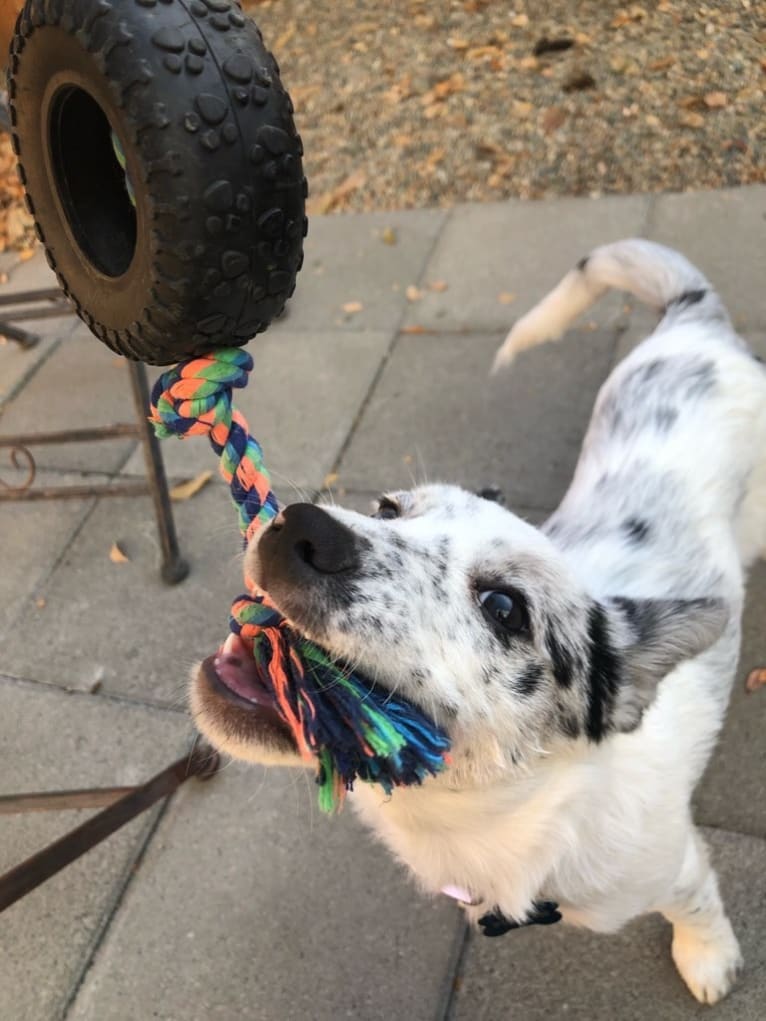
[{"x": 353, "y": 729}]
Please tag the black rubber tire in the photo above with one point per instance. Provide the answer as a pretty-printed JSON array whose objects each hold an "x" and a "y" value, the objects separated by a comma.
[{"x": 210, "y": 253}]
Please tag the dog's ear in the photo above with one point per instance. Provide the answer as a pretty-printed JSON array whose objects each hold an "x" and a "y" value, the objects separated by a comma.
[{"x": 651, "y": 637}]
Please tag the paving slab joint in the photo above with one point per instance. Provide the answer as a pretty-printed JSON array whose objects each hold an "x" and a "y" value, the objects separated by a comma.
[{"x": 388, "y": 354}]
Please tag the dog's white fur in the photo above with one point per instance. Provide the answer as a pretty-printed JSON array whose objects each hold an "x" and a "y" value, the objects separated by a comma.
[{"x": 555, "y": 791}]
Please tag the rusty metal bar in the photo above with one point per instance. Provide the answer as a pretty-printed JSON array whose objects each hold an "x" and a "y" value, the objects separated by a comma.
[
  {"x": 174, "y": 567},
  {"x": 102, "y": 432},
  {"x": 24, "y": 878},
  {"x": 46, "y": 294},
  {"x": 58, "y": 801},
  {"x": 77, "y": 492},
  {"x": 43, "y": 312}
]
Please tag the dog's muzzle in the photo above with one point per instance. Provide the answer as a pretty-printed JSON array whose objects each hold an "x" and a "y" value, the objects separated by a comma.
[{"x": 303, "y": 546}]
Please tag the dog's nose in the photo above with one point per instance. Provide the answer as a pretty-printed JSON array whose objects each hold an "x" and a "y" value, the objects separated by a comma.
[{"x": 305, "y": 539}]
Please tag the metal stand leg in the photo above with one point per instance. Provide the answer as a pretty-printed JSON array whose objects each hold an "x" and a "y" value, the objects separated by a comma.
[
  {"x": 24, "y": 878},
  {"x": 174, "y": 567},
  {"x": 48, "y": 303}
]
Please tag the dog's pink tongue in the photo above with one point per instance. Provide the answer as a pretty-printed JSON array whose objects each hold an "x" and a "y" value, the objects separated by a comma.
[{"x": 235, "y": 667}]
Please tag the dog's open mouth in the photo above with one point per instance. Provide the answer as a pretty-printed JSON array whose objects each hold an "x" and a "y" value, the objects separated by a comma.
[{"x": 230, "y": 679}]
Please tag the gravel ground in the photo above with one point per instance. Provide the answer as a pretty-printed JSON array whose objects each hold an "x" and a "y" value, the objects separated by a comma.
[
  {"x": 418, "y": 103},
  {"x": 414, "y": 103}
]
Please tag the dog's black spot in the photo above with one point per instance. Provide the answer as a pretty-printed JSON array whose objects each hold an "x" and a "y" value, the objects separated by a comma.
[
  {"x": 583, "y": 263},
  {"x": 603, "y": 676},
  {"x": 395, "y": 540},
  {"x": 686, "y": 299},
  {"x": 653, "y": 394},
  {"x": 552, "y": 526},
  {"x": 492, "y": 493},
  {"x": 636, "y": 529},
  {"x": 528, "y": 680},
  {"x": 665, "y": 418},
  {"x": 569, "y": 725},
  {"x": 561, "y": 659},
  {"x": 450, "y": 710}
]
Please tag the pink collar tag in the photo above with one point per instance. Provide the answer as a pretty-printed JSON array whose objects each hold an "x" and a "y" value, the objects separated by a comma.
[{"x": 460, "y": 894}]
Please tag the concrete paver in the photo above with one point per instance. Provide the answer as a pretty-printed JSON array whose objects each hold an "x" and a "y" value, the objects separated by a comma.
[
  {"x": 347, "y": 261},
  {"x": 252, "y": 905},
  {"x": 304, "y": 394},
  {"x": 142, "y": 635},
  {"x": 560, "y": 972},
  {"x": 517, "y": 248},
  {"x": 722, "y": 233},
  {"x": 36, "y": 532},
  {"x": 731, "y": 794},
  {"x": 436, "y": 414},
  {"x": 54, "y": 741}
]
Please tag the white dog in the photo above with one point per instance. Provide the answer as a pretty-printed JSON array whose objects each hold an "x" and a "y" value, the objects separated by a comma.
[{"x": 582, "y": 669}]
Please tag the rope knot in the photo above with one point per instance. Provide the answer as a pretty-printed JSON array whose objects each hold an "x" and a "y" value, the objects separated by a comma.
[{"x": 194, "y": 398}]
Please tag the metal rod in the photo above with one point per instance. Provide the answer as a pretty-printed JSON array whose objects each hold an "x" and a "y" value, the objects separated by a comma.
[
  {"x": 77, "y": 492},
  {"x": 174, "y": 567},
  {"x": 25, "y": 877},
  {"x": 58, "y": 801},
  {"x": 103, "y": 432},
  {"x": 41, "y": 312},
  {"x": 24, "y": 297},
  {"x": 21, "y": 337}
]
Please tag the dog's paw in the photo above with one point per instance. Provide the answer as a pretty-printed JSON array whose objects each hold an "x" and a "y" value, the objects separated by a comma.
[
  {"x": 709, "y": 967},
  {"x": 543, "y": 912}
]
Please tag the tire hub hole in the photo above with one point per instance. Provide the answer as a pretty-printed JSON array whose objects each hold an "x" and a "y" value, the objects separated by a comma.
[{"x": 90, "y": 182}]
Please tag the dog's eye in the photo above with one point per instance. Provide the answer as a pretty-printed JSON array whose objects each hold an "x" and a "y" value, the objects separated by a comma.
[
  {"x": 506, "y": 609},
  {"x": 387, "y": 510}
]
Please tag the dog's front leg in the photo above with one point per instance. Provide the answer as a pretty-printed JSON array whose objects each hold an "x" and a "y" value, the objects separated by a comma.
[{"x": 495, "y": 923}]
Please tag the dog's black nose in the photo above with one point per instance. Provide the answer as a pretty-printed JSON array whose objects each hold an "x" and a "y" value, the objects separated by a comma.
[{"x": 306, "y": 539}]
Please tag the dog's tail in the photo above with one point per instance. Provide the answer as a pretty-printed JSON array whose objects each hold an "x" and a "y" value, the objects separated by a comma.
[{"x": 656, "y": 275}]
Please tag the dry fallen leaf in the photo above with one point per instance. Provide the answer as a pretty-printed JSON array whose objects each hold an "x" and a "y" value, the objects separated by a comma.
[
  {"x": 186, "y": 490},
  {"x": 388, "y": 236},
  {"x": 413, "y": 293},
  {"x": 662, "y": 64},
  {"x": 416, "y": 330},
  {"x": 506, "y": 298},
  {"x": 553, "y": 118},
  {"x": 443, "y": 89},
  {"x": 330, "y": 479},
  {"x": 755, "y": 679},
  {"x": 331, "y": 199},
  {"x": 41, "y": 602},
  {"x": 458, "y": 44},
  {"x": 692, "y": 120},
  {"x": 26, "y": 254},
  {"x": 285, "y": 38},
  {"x": 716, "y": 100},
  {"x": 438, "y": 286},
  {"x": 352, "y": 307},
  {"x": 117, "y": 556}
]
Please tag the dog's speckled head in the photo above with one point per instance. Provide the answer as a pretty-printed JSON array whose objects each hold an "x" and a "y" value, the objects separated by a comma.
[{"x": 470, "y": 612}]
